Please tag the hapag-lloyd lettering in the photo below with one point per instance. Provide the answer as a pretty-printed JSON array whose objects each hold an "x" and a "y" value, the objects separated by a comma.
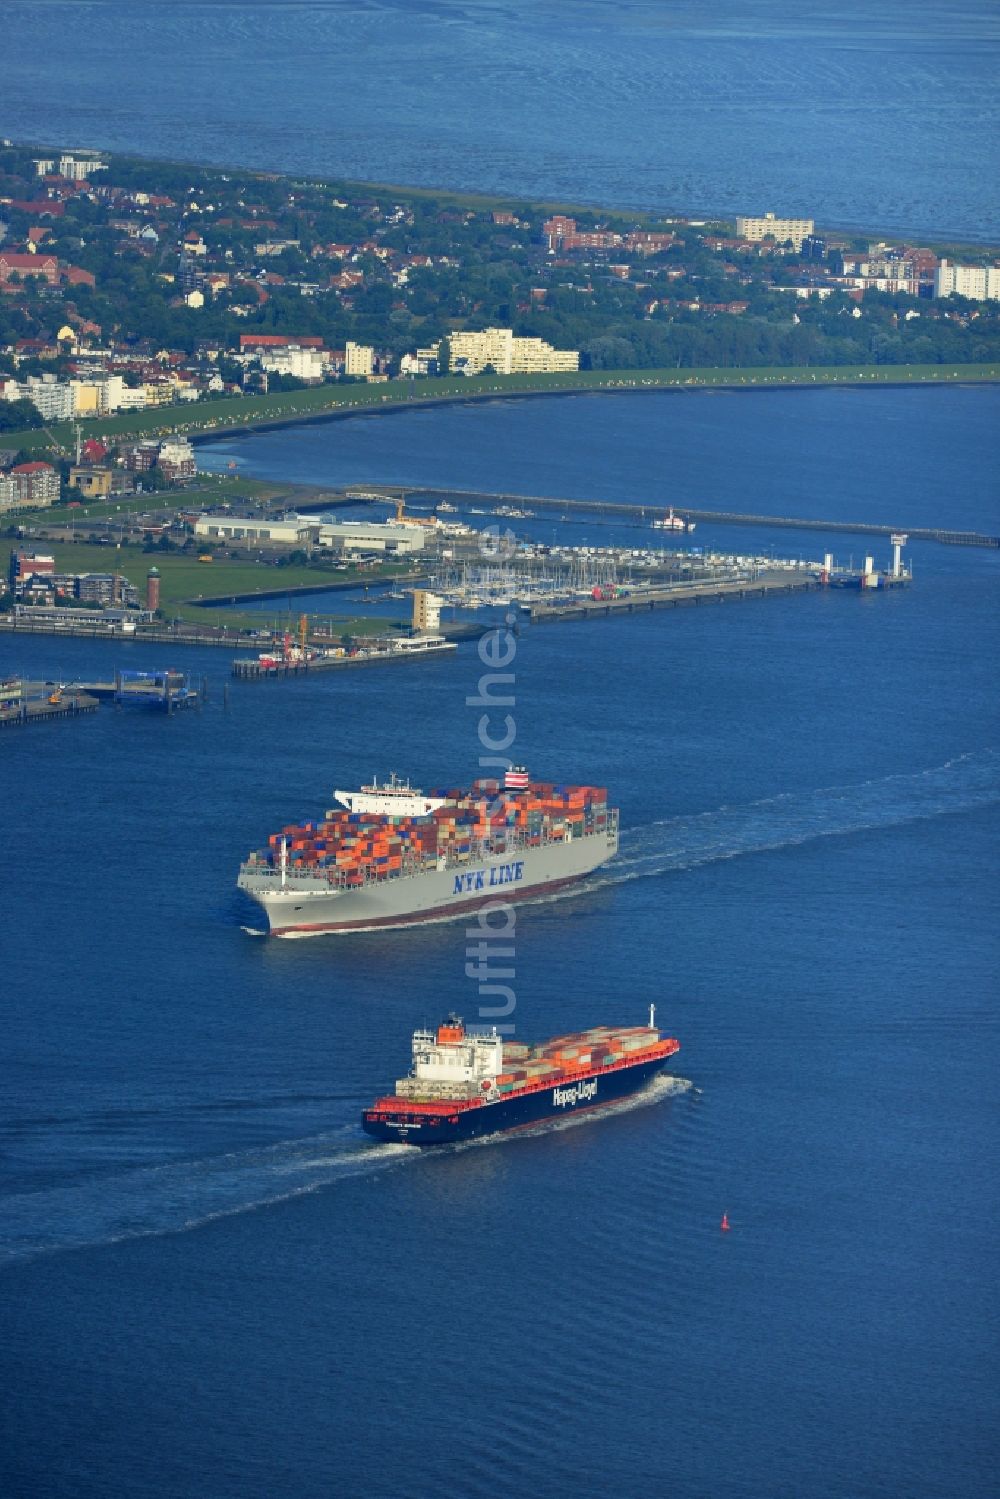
[
  {"x": 499, "y": 874},
  {"x": 578, "y": 1093}
]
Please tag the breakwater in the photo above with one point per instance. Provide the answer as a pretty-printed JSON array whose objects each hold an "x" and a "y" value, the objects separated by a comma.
[{"x": 647, "y": 510}]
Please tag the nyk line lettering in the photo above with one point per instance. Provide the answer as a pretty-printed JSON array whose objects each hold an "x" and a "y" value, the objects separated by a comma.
[
  {"x": 499, "y": 874},
  {"x": 578, "y": 1093}
]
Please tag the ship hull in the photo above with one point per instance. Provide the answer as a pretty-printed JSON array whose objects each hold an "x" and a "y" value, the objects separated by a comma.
[
  {"x": 555, "y": 1101},
  {"x": 309, "y": 906}
]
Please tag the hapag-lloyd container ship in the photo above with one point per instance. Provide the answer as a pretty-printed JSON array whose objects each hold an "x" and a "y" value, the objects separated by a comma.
[
  {"x": 467, "y": 1083},
  {"x": 391, "y": 855}
]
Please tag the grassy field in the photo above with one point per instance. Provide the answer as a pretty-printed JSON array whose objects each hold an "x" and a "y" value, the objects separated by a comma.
[
  {"x": 216, "y": 417},
  {"x": 184, "y": 580}
]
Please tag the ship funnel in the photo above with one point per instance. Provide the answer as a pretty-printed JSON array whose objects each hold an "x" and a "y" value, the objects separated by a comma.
[{"x": 516, "y": 779}]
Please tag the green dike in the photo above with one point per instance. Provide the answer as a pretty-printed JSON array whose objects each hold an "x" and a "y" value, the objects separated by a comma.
[
  {"x": 205, "y": 419},
  {"x": 184, "y": 580}
]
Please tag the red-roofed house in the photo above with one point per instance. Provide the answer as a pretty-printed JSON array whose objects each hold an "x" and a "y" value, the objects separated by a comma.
[
  {"x": 45, "y": 266},
  {"x": 74, "y": 275},
  {"x": 38, "y": 208},
  {"x": 251, "y": 341}
]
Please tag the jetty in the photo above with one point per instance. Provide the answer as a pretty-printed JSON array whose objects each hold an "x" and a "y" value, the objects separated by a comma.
[
  {"x": 645, "y": 511},
  {"x": 165, "y": 689},
  {"x": 23, "y": 703}
]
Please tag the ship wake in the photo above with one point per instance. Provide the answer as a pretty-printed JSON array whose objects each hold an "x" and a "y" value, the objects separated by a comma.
[
  {"x": 182, "y": 1195},
  {"x": 179, "y": 1196},
  {"x": 964, "y": 784}
]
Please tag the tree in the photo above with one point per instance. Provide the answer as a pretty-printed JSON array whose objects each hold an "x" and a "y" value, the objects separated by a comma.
[{"x": 17, "y": 416}]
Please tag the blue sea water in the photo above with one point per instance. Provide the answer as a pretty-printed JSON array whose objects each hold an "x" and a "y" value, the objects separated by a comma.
[
  {"x": 214, "y": 1285},
  {"x": 869, "y": 113}
]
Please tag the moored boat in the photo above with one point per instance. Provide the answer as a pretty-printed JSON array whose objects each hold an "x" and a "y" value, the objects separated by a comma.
[{"x": 672, "y": 522}]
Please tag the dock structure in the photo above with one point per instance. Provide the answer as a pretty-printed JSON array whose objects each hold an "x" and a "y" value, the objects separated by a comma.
[
  {"x": 252, "y": 669},
  {"x": 23, "y": 703},
  {"x": 688, "y": 595},
  {"x": 165, "y": 689},
  {"x": 679, "y": 596},
  {"x": 646, "y": 510}
]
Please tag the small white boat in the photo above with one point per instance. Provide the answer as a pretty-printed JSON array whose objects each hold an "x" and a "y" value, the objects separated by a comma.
[{"x": 672, "y": 522}]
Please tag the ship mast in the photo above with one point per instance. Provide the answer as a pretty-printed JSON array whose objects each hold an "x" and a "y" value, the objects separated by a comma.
[
  {"x": 284, "y": 862},
  {"x": 652, "y": 1017}
]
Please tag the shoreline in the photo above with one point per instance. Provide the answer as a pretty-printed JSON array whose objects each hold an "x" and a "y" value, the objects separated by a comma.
[
  {"x": 336, "y": 403},
  {"x": 506, "y": 198},
  {"x": 619, "y": 387}
]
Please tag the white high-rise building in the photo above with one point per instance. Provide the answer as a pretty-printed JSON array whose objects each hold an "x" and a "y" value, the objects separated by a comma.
[
  {"x": 534, "y": 355},
  {"x": 52, "y": 398},
  {"x": 980, "y": 283},
  {"x": 304, "y": 364},
  {"x": 507, "y": 355},
  {"x": 102, "y": 395},
  {"x": 426, "y": 612},
  {"x": 472, "y": 352},
  {"x": 79, "y": 168},
  {"x": 771, "y": 227},
  {"x": 359, "y": 359}
]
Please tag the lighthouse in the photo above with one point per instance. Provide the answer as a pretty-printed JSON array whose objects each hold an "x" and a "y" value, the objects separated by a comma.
[{"x": 153, "y": 590}]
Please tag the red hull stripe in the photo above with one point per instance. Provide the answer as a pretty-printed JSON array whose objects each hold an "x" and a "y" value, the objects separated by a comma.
[
  {"x": 602, "y": 1103},
  {"x": 390, "y": 1106},
  {"x": 431, "y": 915}
]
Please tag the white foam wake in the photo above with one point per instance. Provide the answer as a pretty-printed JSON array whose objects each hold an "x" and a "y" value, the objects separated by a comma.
[
  {"x": 658, "y": 1090},
  {"x": 183, "y": 1195},
  {"x": 961, "y": 785},
  {"x": 180, "y": 1196}
]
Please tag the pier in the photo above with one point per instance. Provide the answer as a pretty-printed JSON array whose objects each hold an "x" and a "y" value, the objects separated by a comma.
[
  {"x": 167, "y": 690},
  {"x": 687, "y": 595},
  {"x": 680, "y": 596},
  {"x": 250, "y": 669},
  {"x": 38, "y": 703},
  {"x": 647, "y": 510}
]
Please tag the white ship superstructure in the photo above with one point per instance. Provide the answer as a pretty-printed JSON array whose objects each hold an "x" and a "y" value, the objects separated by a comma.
[{"x": 394, "y": 798}]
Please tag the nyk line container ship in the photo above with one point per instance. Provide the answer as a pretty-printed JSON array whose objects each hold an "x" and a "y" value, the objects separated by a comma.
[
  {"x": 391, "y": 855},
  {"x": 468, "y": 1083}
]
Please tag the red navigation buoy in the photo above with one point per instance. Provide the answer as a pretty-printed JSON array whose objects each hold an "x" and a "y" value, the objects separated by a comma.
[{"x": 724, "y": 1225}]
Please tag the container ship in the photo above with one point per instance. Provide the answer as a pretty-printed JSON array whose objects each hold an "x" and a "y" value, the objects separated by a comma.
[
  {"x": 392, "y": 855},
  {"x": 467, "y": 1083}
]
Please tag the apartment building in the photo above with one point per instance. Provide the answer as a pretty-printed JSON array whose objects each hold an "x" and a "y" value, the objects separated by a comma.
[
  {"x": 359, "y": 360},
  {"x": 979, "y": 283},
  {"x": 769, "y": 226},
  {"x": 471, "y": 353}
]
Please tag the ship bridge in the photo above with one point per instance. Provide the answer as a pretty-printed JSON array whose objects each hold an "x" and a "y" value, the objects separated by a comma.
[
  {"x": 394, "y": 798},
  {"x": 451, "y": 1054}
]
